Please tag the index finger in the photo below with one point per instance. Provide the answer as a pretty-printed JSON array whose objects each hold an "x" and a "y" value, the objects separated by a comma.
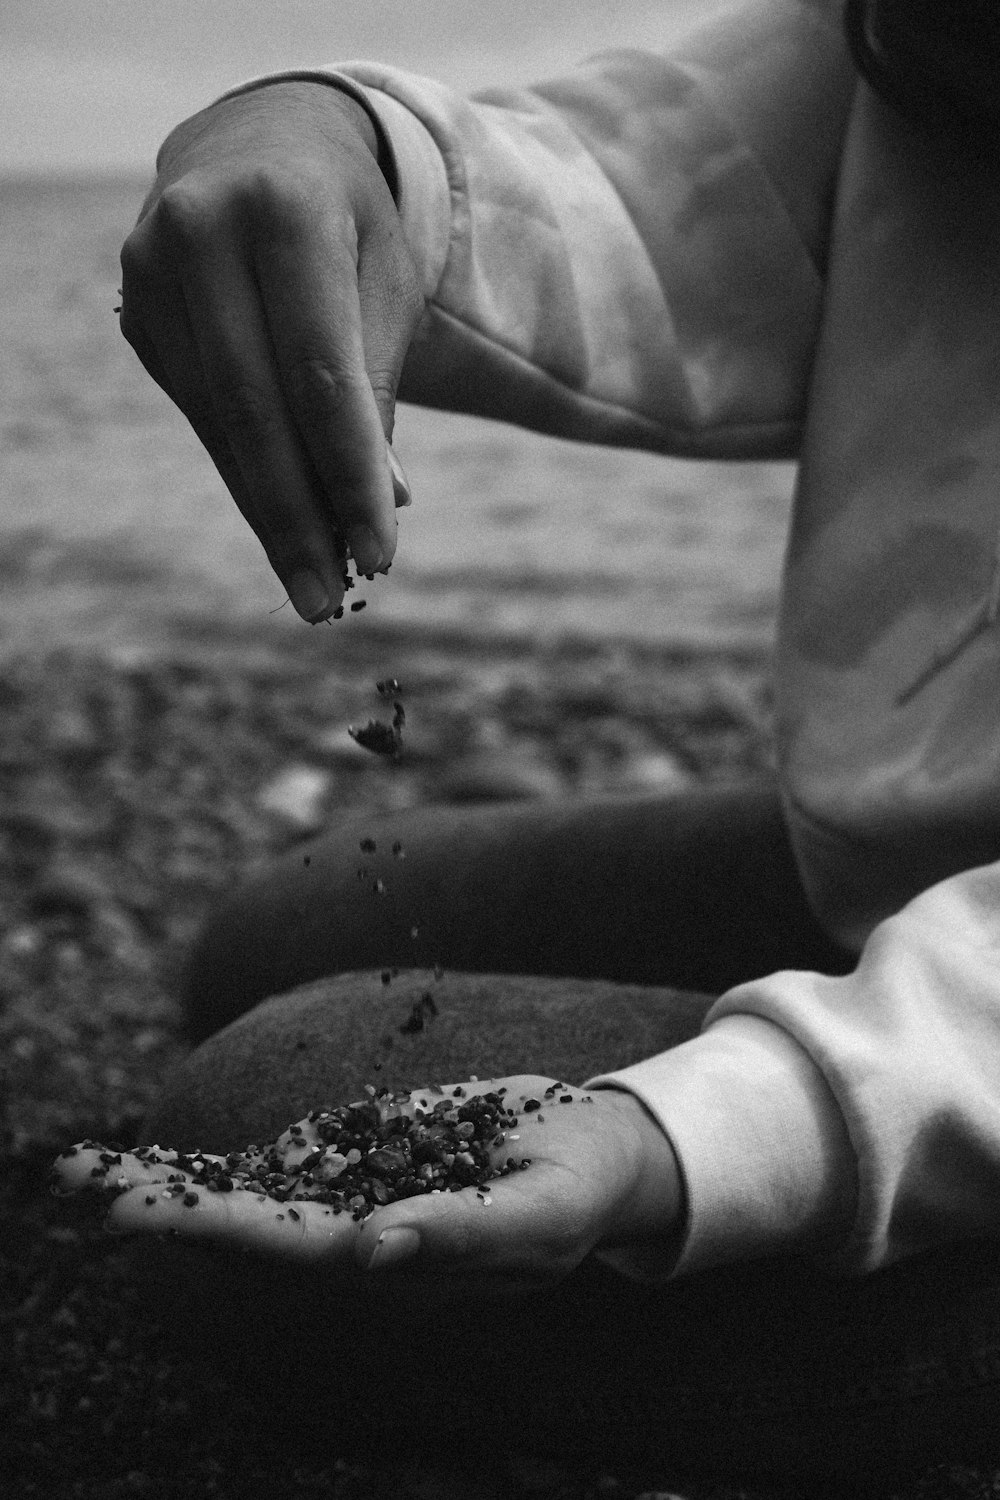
[
  {"x": 159, "y": 1192},
  {"x": 309, "y": 290},
  {"x": 110, "y": 1169},
  {"x": 290, "y": 1231}
]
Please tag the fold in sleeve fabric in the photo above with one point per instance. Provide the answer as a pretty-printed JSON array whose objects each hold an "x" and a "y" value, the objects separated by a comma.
[
  {"x": 767, "y": 1166},
  {"x": 631, "y": 254},
  {"x": 860, "y": 1123}
]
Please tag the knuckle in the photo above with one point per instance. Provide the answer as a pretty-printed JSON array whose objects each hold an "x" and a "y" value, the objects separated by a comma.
[
  {"x": 245, "y": 410},
  {"x": 318, "y": 390},
  {"x": 276, "y": 207},
  {"x": 384, "y": 384},
  {"x": 182, "y": 217},
  {"x": 138, "y": 260},
  {"x": 132, "y": 258}
]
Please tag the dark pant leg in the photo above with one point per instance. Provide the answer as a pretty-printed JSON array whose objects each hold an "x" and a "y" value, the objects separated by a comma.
[
  {"x": 744, "y": 1372},
  {"x": 698, "y": 891}
]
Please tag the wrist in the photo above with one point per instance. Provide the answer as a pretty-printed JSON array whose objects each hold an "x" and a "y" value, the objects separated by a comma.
[
  {"x": 330, "y": 95},
  {"x": 653, "y": 1208}
]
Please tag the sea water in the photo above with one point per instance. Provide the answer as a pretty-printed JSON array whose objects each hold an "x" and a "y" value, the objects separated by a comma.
[{"x": 114, "y": 524}]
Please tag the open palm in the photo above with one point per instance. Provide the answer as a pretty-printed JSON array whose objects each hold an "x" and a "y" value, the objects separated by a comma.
[{"x": 598, "y": 1171}]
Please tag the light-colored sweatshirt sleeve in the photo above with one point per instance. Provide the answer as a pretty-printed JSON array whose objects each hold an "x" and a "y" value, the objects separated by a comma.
[
  {"x": 632, "y": 254},
  {"x": 855, "y": 1120}
]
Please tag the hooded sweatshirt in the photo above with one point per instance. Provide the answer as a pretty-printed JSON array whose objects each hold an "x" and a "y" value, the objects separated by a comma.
[{"x": 733, "y": 249}]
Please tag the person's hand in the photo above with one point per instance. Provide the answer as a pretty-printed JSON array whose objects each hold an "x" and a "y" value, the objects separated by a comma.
[
  {"x": 601, "y": 1173},
  {"x": 268, "y": 289}
]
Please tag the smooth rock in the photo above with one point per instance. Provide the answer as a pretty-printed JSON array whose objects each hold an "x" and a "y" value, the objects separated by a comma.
[
  {"x": 319, "y": 1044},
  {"x": 489, "y": 776}
]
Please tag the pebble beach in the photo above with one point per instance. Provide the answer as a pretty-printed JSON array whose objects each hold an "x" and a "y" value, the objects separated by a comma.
[
  {"x": 166, "y": 725},
  {"x": 133, "y": 791}
]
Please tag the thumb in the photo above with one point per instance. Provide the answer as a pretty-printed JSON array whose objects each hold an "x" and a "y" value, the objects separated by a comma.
[
  {"x": 508, "y": 1227},
  {"x": 391, "y": 306}
]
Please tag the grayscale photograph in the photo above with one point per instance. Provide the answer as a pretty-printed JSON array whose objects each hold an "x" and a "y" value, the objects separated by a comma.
[{"x": 499, "y": 665}]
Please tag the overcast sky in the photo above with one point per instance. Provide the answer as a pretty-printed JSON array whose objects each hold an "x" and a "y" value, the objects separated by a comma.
[{"x": 94, "y": 85}]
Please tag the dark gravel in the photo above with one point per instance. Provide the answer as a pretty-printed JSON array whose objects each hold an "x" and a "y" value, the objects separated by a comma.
[{"x": 132, "y": 789}]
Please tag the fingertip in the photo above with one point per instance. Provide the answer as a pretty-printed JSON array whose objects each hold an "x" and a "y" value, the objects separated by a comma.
[
  {"x": 313, "y": 599},
  {"x": 372, "y": 552},
  {"x": 309, "y": 595},
  {"x": 366, "y": 549},
  {"x": 389, "y": 546},
  {"x": 397, "y": 1244},
  {"x": 400, "y": 484}
]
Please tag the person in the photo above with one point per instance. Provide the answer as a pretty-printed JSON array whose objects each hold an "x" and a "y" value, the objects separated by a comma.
[{"x": 736, "y": 249}]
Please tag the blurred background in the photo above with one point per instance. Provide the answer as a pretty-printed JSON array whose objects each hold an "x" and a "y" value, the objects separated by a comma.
[
  {"x": 114, "y": 522},
  {"x": 564, "y": 620},
  {"x": 96, "y": 84}
]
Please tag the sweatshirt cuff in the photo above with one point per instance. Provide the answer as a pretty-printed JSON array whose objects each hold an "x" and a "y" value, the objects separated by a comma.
[
  {"x": 766, "y": 1162},
  {"x": 423, "y": 195}
]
